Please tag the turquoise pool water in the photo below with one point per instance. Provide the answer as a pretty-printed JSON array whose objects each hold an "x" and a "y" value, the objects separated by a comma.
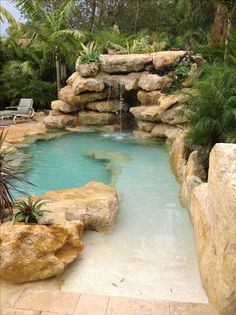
[
  {"x": 64, "y": 162},
  {"x": 151, "y": 252}
]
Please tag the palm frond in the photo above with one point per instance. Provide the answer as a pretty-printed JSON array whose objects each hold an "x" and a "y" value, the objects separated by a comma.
[
  {"x": 32, "y": 9},
  {"x": 66, "y": 34},
  {"x": 213, "y": 109},
  {"x": 65, "y": 9},
  {"x": 6, "y": 15}
]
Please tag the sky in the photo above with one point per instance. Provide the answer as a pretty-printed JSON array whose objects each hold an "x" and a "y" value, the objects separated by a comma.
[{"x": 14, "y": 11}]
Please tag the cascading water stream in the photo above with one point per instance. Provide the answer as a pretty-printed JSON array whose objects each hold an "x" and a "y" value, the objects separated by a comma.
[{"x": 121, "y": 103}]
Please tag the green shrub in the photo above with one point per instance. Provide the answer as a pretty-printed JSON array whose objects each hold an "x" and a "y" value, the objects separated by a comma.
[
  {"x": 103, "y": 37},
  {"x": 213, "y": 109},
  {"x": 145, "y": 44},
  {"x": 20, "y": 80}
]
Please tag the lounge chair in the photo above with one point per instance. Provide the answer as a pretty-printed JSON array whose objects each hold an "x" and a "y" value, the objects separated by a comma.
[{"x": 24, "y": 109}]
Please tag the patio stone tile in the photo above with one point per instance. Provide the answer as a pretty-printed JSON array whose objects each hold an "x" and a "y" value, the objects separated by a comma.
[
  {"x": 48, "y": 301},
  {"x": 12, "y": 311},
  {"x": 126, "y": 306},
  {"x": 191, "y": 309},
  {"x": 91, "y": 305},
  {"x": 53, "y": 313},
  {"x": 9, "y": 303}
]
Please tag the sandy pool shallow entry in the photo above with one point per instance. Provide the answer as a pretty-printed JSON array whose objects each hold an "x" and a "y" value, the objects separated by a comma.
[{"x": 151, "y": 252}]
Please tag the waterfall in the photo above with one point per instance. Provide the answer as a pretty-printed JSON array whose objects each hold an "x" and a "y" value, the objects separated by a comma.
[{"x": 121, "y": 103}]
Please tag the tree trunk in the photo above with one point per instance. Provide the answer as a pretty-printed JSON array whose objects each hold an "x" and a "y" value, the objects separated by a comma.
[
  {"x": 101, "y": 12},
  {"x": 233, "y": 19},
  {"x": 230, "y": 20},
  {"x": 226, "y": 53},
  {"x": 57, "y": 62},
  {"x": 93, "y": 13},
  {"x": 219, "y": 28},
  {"x": 136, "y": 16}
]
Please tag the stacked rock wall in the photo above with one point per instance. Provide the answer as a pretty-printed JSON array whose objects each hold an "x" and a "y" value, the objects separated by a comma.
[{"x": 97, "y": 97}]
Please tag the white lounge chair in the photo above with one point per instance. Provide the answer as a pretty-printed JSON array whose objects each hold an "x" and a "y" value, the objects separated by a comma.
[{"x": 24, "y": 109}]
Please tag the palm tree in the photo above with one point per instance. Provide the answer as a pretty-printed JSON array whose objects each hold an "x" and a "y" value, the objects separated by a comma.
[
  {"x": 51, "y": 31},
  {"x": 6, "y": 15}
]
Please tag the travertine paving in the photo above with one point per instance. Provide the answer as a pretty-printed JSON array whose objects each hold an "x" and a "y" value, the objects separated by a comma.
[{"x": 41, "y": 302}]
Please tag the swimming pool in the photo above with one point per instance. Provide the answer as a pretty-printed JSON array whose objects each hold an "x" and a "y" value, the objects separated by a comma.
[{"x": 151, "y": 252}]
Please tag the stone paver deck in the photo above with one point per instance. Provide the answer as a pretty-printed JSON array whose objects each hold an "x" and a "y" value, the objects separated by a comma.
[{"x": 41, "y": 302}]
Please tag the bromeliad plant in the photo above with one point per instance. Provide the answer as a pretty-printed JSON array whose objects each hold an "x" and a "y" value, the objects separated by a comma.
[
  {"x": 30, "y": 211},
  {"x": 89, "y": 53}
]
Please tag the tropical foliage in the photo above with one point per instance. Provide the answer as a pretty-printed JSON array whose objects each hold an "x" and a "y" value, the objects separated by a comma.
[
  {"x": 6, "y": 15},
  {"x": 89, "y": 53},
  {"x": 41, "y": 54},
  {"x": 213, "y": 109},
  {"x": 8, "y": 180}
]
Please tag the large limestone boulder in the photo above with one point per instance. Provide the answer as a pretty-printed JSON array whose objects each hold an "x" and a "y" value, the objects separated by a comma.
[
  {"x": 177, "y": 155},
  {"x": 95, "y": 204},
  {"x": 195, "y": 166},
  {"x": 146, "y": 125},
  {"x": 174, "y": 116},
  {"x": 220, "y": 281},
  {"x": 213, "y": 211},
  {"x": 31, "y": 252},
  {"x": 128, "y": 81},
  {"x": 60, "y": 121},
  {"x": 142, "y": 134},
  {"x": 194, "y": 175},
  {"x": 149, "y": 98},
  {"x": 167, "y": 101},
  {"x": 39, "y": 116},
  {"x": 163, "y": 59},
  {"x": 199, "y": 212},
  {"x": 187, "y": 187},
  {"x": 107, "y": 106},
  {"x": 88, "y": 69},
  {"x": 64, "y": 107},
  {"x": 146, "y": 113},
  {"x": 151, "y": 82},
  {"x": 124, "y": 63},
  {"x": 55, "y": 112},
  {"x": 72, "y": 78},
  {"x": 88, "y": 85},
  {"x": 66, "y": 94},
  {"x": 170, "y": 132},
  {"x": 96, "y": 118}
]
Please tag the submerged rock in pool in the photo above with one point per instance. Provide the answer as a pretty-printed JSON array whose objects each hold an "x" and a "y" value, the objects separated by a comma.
[
  {"x": 113, "y": 161},
  {"x": 30, "y": 252}
]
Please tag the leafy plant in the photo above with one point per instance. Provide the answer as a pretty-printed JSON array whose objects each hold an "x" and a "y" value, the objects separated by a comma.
[
  {"x": 88, "y": 49},
  {"x": 7, "y": 180},
  {"x": 213, "y": 109},
  {"x": 93, "y": 57},
  {"x": 29, "y": 211},
  {"x": 19, "y": 79},
  {"x": 145, "y": 45},
  {"x": 51, "y": 31},
  {"x": 6, "y": 15},
  {"x": 180, "y": 72},
  {"x": 102, "y": 38},
  {"x": 89, "y": 53}
]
